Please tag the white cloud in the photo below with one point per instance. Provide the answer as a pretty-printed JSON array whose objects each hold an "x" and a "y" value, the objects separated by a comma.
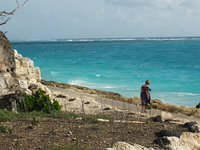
[
  {"x": 157, "y": 4},
  {"x": 158, "y": 9},
  {"x": 103, "y": 18}
]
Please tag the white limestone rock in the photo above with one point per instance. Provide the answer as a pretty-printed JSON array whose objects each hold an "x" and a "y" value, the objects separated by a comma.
[
  {"x": 126, "y": 146},
  {"x": 22, "y": 62},
  {"x": 25, "y": 69},
  {"x": 3, "y": 86},
  {"x": 191, "y": 139},
  {"x": 34, "y": 87},
  {"x": 187, "y": 141},
  {"x": 24, "y": 85},
  {"x": 166, "y": 116},
  {"x": 28, "y": 75}
]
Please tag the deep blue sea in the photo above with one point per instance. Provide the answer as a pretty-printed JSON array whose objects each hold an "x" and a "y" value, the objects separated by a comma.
[{"x": 122, "y": 65}]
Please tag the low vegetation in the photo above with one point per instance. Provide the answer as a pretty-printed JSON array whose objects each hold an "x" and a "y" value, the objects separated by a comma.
[{"x": 38, "y": 102}]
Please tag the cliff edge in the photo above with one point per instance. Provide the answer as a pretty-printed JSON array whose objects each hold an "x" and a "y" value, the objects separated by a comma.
[{"x": 17, "y": 75}]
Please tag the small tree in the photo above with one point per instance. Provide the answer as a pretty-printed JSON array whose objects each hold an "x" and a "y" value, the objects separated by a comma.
[{"x": 4, "y": 15}]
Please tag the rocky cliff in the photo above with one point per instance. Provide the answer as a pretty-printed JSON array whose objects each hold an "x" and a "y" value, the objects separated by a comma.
[
  {"x": 8, "y": 82},
  {"x": 17, "y": 75}
]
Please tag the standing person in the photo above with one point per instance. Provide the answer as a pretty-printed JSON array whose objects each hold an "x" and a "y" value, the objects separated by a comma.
[{"x": 145, "y": 95}]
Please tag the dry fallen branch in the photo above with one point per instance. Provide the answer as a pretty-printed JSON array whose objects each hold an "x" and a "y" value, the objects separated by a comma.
[{"x": 5, "y": 14}]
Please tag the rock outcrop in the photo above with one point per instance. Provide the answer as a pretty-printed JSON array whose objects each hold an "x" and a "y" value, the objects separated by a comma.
[
  {"x": 26, "y": 73},
  {"x": 8, "y": 81},
  {"x": 17, "y": 75}
]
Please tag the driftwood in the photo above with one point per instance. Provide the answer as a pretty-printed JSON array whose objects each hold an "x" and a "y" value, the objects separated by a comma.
[{"x": 4, "y": 14}]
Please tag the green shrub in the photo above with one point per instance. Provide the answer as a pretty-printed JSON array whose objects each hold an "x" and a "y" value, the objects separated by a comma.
[
  {"x": 33, "y": 114},
  {"x": 38, "y": 102},
  {"x": 7, "y": 115}
]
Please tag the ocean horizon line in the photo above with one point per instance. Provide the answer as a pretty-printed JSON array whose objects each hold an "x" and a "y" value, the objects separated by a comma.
[{"x": 178, "y": 38}]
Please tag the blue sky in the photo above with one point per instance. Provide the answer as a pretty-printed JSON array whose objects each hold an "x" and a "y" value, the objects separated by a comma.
[{"x": 58, "y": 19}]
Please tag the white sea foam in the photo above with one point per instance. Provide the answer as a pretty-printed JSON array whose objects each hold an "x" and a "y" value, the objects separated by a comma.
[
  {"x": 186, "y": 94},
  {"x": 108, "y": 87},
  {"x": 53, "y": 73},
  {"x": 97, "y": 75},
  {"x": 80, "y": 82},
  {"x": 182, "y": 94},
  {"x": 84, "y": 82},
  {"x": 177, "y": 98}
]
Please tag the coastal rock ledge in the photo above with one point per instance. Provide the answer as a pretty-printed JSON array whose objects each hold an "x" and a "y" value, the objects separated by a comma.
[{"x": 17, "y": 75}]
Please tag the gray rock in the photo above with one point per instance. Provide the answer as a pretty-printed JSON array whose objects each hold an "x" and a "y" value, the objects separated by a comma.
[{"x": 195, "y": 128}]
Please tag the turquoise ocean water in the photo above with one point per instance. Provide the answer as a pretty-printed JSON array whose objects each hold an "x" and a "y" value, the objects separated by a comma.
[{"x": 122, "y": 65}]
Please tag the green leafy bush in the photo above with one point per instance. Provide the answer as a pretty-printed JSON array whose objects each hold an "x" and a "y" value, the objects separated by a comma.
[{"x": 38, "y": 102}]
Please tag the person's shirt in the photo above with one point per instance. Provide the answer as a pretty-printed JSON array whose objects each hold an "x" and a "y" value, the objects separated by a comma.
[{"x": 145, "y": 88}]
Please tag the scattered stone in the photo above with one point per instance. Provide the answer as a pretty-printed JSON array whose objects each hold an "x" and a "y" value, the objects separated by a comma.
[
  {"x": 74, "y": 139},
  {"x": 131, "y": 113},
  {"x": 189, "y": 124},
  {"x": 195, "y": 128},
  {"x": 79, "y": 118},
  {"x": 103, "y": 120},
  {"x": 61, "y": 96},
  {"x": 87, "y": 103},
  {"x": 163, "y": 133},
  {"x": 164, "y": 116},
  {"x": 107, "y": 108},
  {"x": 69, "y": 134},
  {"x": 72, "y": 99}
]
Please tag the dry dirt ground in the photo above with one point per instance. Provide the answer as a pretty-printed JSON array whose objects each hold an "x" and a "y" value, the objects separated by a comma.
[{"x": 51, "y": 132}]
